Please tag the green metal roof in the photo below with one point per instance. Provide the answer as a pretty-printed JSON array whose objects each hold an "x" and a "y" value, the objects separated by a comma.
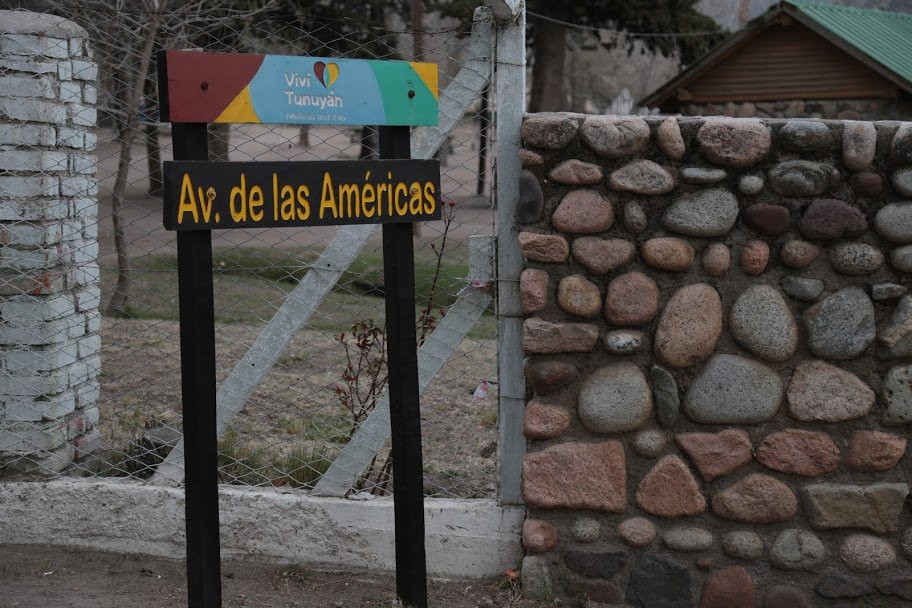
[{"x": 883, "y": 36}]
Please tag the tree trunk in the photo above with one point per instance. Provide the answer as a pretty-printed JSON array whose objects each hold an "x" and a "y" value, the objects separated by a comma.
[
  {"x": 119, "y": 302},
  {"x": 548, "y": 69},
  {"x": 153, "y": 160},
  {"x": 219, "y": 138}
]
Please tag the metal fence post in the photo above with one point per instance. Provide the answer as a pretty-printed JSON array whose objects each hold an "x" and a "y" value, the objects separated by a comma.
[{"x": 510, "y": 99}]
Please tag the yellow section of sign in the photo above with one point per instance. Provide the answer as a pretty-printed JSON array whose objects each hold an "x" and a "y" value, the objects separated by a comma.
[
  {"x": 428, "y": 74},
  {"x": 240, "y": 109}
]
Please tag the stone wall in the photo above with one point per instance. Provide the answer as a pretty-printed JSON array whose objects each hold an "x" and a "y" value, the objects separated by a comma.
[
  {"x": 49, "y": 290},
  {"x": 718, "y": 339}
]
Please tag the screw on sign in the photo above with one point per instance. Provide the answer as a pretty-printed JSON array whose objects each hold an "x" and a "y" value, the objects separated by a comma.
[{"x": 201, "y": 196}]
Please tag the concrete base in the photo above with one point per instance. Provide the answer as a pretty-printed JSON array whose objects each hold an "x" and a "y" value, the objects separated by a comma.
[{"x": 465, "y": 538}]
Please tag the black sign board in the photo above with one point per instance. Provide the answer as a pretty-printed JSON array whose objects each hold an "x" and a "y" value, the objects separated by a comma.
[{"x": 201, "y": 195}]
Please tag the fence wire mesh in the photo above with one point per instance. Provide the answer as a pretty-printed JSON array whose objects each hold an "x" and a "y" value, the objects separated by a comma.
[{"x": 326, "y": 382}]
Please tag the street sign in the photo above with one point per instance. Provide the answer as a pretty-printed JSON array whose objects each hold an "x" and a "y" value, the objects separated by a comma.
[{"x": 200, "y": 195}]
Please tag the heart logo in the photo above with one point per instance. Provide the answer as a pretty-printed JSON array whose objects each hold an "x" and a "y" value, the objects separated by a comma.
[{"x": 326, "y": 73}]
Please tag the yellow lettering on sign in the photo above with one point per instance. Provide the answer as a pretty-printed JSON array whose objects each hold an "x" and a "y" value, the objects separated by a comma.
[
  {"x": 368, "y": 197},
  {"x": 430, "y": 203},
  {"x": 415, "y": 199},
  {"x": 238, "y": 214},
  {"x": 256, "y": 203},
  {"x": 349, "y": 193},
  {"x": 303, "y": 203},
  {"x": 187, "y": 200},
  {"x": 288, "y": 203},
  {"x": 401, "y": 191},
  {"x": 328, "y": 197}
]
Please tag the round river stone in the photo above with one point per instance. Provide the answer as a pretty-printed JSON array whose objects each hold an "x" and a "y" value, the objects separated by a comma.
[
  {"x": 841, "y": 326},
  {"x": 762, "y": 323},
  {"x": 705, "y": 213},
  {"x": 894, "y": 222},
  {"x": 615, "y": 399},
  {"x": 733, "y": 390}
]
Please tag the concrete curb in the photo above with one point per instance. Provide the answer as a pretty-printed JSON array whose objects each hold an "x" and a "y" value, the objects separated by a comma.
[{"x": 465, "y": 538}]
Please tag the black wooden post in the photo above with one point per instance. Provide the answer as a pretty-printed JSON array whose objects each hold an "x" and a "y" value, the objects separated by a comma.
[
  {"x": 197, "y": 349},
  {"x": 405, "y": 420}
]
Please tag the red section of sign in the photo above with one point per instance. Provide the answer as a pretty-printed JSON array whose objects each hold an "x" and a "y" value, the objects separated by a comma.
[
  {"x": 201, "y": 85},
  {"x": 319, "y": 68}
]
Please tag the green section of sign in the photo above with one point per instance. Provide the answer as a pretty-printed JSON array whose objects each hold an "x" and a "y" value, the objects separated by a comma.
[{"x": 419, "y": 104}]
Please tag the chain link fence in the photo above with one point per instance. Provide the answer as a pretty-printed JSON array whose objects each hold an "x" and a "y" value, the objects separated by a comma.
[{"x": 326, "y": 382}]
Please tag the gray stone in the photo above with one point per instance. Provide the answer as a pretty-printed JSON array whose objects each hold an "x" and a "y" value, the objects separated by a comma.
[
  {"x": 894, "y": 222},
  {"x": 634, "y": 219},
  {"x": 902, "y": 181},
  {"x": 702, "y": 175},
  {"x": 801, "y": 288},
  {"x": 840, "y": 586},
  {"x": 897, "y": 585},
  {"x": 657, "y": 581},
  {"x": 735, "y": 143},
  {"x": 805, "y": 136},
  {"x": 901, "y": 148},
  {"x": 785, "y": 596},
  {"x": 668, "y": 137},
  {"x": 586, "y": 529},
  {"x": 866, "y": 553},
  {"x": 841, "y": 326},
  {"x": 642, "y": 177},
  {"x": 536, "y": 578},
  {"x": 615, "y": 137},
  {"x": 762, "y": 323},
  {"x": 742, "y": 544},
  {"x": 615, "y": 399},
  {"x": 906, "y": 543},
  {"x": 797, "y": 550},
  {"x": 876, "y": 507},
  {"x": 649, "y": 443},
  {"x": 897, "y": 394},
  {"x": 750, "y": 184},
  {"x": 594, "y": 563},
  {"x": 623, "y": 341},
  {"x": 887, "y": 291},
  {"x": 801, "y": 178},
  {"x": 859, "y": 143},
  {"x": 901, "y": 258},
  {"x": 733, "y": 390},
  {"x": 899, "y": 325},
  {"x": 548, "y": 131},
  {"x": 665, "y": 394},
  {"x": 821, "y": 392},
  {"x": 531, "y": 200},
  {"x": 704, "y": 213},
  {"x": 688, "y": 539},
  {"x": 856, "y": 258}
]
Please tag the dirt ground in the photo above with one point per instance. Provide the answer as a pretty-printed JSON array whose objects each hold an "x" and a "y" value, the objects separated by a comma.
[{"x": 38, "y": 576}]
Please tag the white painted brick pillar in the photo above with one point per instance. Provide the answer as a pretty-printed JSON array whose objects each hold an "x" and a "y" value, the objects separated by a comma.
[{"x": 49, "y": 293}]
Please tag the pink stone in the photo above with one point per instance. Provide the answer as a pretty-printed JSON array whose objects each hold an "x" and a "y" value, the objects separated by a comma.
[
  {"x": 867, "y": 184},
  {"x": 689, "y": 326},
  {"x": 754, "y": 257},
  {"x": 736, "y": 142},
  {"x": 756, "y": 499},
  {"x": 533, "y": 290},
  {"x": 828, "y": 219},
  {"x": 601, "y": 256},
  {"x": 874, "y": 451},
  {"x": 542, "y": 337},
  {"x": 716, "y": 454},
  {"x": 799, "y": 254},
  {"x": 528, "y": 158},
  {"x": 543, "y": 247},
  {"x": 575, "y": 172},
  {"x": 716, "y": 260},
  {"x": 632, "y": 299},
  {"x": 669, "y": 139},
  {"x": 576, "y": 476},
  {"x": 636, "y": 531},
  {"x": 668, "y": 253},
  {"x": 583, "y": 212},
  {"x": 544, "y": 421},
  {"x": 538, "y": 536},
  {"x": 670, "y": 490},
  {"x": 547, "y": 376},
  {"x": 770, "y": 220},
  {"x": 578, "y": 296},
  {"x": 731, "y": 587},
  {"x": 799, "y": 452}
]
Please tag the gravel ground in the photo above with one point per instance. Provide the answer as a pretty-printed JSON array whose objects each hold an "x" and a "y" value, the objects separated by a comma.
[
  {"x": 38, "y": 576},
  {"x": 295, "y": 408}
]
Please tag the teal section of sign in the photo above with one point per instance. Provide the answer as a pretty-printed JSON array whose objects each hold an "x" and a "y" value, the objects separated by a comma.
[{"x": 315, "y": 90}]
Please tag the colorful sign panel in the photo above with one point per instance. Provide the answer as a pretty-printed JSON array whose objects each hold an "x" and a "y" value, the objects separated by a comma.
[
  {"x": 203, "y": 195},
  {"x": 284, "y": 89}
]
